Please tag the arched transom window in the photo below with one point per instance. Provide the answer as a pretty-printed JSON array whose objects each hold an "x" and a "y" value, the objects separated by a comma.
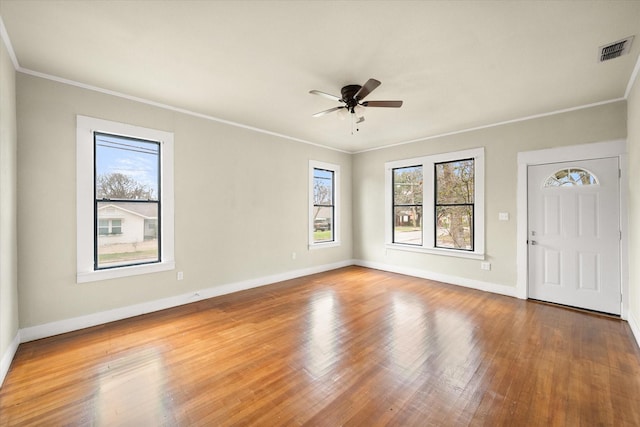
[{"x": 571, "y": 177}]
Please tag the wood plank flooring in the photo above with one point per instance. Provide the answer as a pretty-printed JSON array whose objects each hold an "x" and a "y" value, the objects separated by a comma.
[{"x": 352, "y": 346}]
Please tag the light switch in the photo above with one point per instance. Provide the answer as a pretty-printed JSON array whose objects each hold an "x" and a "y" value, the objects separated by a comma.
[{"x": 503, "y": 216}]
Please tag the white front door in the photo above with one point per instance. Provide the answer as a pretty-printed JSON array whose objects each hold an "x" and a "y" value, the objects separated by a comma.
[{"x": 574, "y": 234}]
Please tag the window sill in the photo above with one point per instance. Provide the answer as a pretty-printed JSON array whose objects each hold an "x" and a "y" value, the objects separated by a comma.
[
  {"x": 434, "y": 251},
  {"x": 133, "y": 270},
  {"x": 324, "y": 245}
]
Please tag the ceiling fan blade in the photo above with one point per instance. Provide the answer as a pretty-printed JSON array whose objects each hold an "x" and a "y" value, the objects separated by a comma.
[
  {"x": 365, "y": 90},
  {"x": 330, "y": 110},
  {"x": 326, "y": 95},
  {"x": 392, "y": 104}
]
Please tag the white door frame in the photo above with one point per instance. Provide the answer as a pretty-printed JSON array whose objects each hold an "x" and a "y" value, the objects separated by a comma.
[{"x": 616, "y": 148}]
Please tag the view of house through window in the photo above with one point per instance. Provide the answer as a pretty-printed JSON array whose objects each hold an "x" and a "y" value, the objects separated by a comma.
[
  {"x": 407, "y": 205},
  {"x": 127, "y": 203},
  {"x": 323, "y": 205},
  {"x": 454, "y": 204}
]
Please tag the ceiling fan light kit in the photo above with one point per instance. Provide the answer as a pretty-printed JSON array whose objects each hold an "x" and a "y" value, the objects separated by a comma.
[{"x": 352, "y": 97}]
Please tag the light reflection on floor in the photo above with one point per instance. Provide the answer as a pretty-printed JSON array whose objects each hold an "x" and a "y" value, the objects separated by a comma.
[
  {"x": 440, "y": 342},
  {"x": 406, "y": 349},
  {"x": 457, "y": 349},
  {"x": 130, "y": 391},
  {"x": 321, "y": 346}
]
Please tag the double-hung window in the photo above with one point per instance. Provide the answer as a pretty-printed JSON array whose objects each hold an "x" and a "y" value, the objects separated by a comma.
[
  {"x": 454, "y": 204},
  {"x": 407, "y": 205},
  {"x": 435, "y": 204},
  {"x": 127, "y": 190},
  {"x": 324, "y": 213},
  {"x": 124, "y": 200}
]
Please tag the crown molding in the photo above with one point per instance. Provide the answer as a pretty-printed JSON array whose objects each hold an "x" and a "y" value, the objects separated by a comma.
[
  {"x": 170, "y": 107},
  {"x": 506, "y": 122},
  {"x": 7, "y": 42}
]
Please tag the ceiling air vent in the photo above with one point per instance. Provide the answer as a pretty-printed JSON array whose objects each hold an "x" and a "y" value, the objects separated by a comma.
[{"x": 615, "y": 49}]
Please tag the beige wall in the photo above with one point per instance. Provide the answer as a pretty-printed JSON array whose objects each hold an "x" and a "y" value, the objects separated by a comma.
[
  {"x": 241, "y": 204},
  {"x": 8, "y": 237},
  {"x": 633, "y": 141},
  {"x": 241, "y": 199},
  {"x": 502, "y": 143}
]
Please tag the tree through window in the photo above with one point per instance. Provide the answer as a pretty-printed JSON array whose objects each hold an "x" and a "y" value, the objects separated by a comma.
[
  {"x": 435, "y": 204},
  {"x": 454, "y": 204}
]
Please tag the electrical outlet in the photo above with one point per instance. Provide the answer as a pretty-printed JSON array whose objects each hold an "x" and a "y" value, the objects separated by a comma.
[
  {"x": 503, "y": 216},
  {"x": 293, "y": 255},
  {"x": 180, "y": 275},
  {"x": 485, "y": 266}
]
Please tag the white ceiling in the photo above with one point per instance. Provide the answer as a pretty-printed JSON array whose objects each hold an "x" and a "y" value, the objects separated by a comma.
[{"x": 456, "y": 65}]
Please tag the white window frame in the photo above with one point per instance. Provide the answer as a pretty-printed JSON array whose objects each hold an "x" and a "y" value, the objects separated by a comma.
[
  {"x": 428, "y": 203},
  {"x": 86, "y": 127},
  {"x": 336, "y": 204}
]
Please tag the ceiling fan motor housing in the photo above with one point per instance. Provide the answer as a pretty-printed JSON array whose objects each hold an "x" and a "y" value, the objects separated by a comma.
[{"x": 348, "y": 96}]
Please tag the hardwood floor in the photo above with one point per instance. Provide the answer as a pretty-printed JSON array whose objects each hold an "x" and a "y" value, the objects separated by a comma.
[{"x": 348, "y": 347}]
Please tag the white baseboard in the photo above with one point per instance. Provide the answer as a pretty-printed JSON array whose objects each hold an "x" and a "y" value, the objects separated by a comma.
[
  {"x": 67, "y": 325},
  {"x": 7, "y": 357},
  {"x": 635, "y": 326},
  {"x": 453, "y": 280}
]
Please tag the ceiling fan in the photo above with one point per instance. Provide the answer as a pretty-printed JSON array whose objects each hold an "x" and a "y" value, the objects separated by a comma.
[{"x": 352, "y": 98}]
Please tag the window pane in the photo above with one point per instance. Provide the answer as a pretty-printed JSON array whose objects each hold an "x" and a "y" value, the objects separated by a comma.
[
  {"x": 126, "y": 168},
  {"x": 130, "y": 240},
  {"x": 454, "y": 182},
  {"x": 407, "y": 186},
  {"x": 116, "y": 226},
  {"x": 323, "y": 224},
  {"x": 454, "y": 227},
  {"x": 322, "y": 187},
  {"x": 407, "y": 226},
  {"x": 571, "y": 177}
]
